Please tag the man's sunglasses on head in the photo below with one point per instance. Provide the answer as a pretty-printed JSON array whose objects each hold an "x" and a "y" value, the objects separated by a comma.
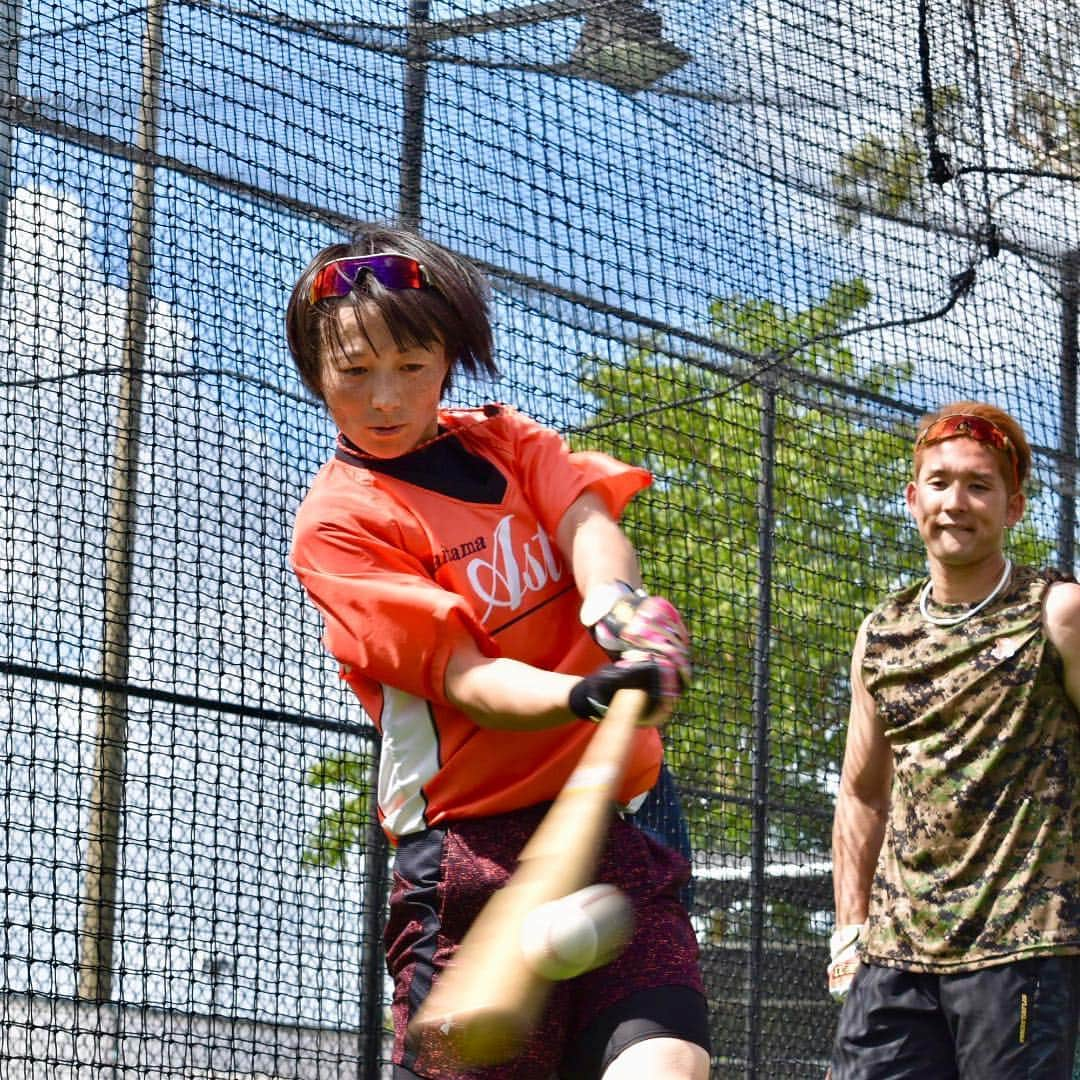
[{"x": 970, "y": 426}]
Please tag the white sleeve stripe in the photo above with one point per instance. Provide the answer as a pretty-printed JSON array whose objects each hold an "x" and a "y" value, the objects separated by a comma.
[{"x": 410, "y": 758}]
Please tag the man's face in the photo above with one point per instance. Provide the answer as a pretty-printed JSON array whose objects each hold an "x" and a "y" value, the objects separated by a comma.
[
  {"x": 383, "y": 398},
  {"x": 961, "y": 502}
]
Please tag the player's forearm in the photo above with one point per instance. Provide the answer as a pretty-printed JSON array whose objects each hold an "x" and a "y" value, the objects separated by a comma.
[
  {"x": 858, "y": 831},
  {"x": 603, "y": 553},
  {"x": 595, "y": 546},
  {"x": 507, "y": 694}
]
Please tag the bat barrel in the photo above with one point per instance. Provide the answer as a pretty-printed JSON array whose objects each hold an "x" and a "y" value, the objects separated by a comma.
[{"x": 489, "y": 1034}]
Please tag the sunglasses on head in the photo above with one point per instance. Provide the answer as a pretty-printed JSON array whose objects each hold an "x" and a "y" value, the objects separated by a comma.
[
  {"x": 968, "y": 425},
  {"x": 391, "y": 270}
]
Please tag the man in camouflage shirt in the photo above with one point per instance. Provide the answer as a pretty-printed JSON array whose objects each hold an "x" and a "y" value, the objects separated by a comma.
[{"x": 955, "y": 842}]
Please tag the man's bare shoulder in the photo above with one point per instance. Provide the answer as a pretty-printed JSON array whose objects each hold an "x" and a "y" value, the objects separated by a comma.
[{"x": 1062, "y": 613}]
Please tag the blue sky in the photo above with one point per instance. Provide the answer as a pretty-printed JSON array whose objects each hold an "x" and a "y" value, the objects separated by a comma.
[{"x": 597, "y": 190}]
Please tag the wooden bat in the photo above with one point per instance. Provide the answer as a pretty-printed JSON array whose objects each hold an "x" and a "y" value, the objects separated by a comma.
[{"x": 487, "y": 1001}]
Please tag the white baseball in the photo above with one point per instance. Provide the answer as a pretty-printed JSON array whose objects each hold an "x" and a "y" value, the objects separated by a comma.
[{"x": 576, "y": 933}]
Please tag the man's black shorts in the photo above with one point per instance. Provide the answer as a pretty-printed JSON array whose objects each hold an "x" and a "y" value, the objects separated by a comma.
[{"x": 1016, "y": 1020}]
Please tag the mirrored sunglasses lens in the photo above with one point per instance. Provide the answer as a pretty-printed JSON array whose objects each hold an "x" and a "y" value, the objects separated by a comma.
[
  {"x": 334, "y": 280},
  {"x": 339, "y": 278},
  {"x": 975, "y": 427},
  {"x": 981, "y": 431},
  {"x": 396, "y": 271}
]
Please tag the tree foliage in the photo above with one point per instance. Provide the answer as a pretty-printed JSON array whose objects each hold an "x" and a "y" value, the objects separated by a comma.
[
  {"x": 346, "y": 778},
  {"x": 887, "y": 174},
  {"x": 1044, "y": 71},
  {"x": 1032, "y": 88}
]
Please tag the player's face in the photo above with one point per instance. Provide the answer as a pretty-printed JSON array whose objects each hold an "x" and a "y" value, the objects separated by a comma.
[
  {"x": 385, "y": 399},
  {"x": 961, "y": 502}
]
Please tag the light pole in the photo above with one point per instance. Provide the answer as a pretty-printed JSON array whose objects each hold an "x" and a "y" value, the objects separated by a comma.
[
  {"x": 620, "y": 44},
  {"x": 9, "y": 90},
  {"x": 414, "y": 98}
]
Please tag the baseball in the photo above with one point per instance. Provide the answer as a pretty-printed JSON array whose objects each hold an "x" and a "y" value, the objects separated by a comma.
[{"x": 576, "y": 933}]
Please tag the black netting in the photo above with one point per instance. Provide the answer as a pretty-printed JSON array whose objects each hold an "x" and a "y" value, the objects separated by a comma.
[{"x": 746, "y": 244}]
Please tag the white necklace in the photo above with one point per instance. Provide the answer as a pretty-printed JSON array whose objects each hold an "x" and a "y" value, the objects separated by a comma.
[{"x": 952, "y": 620}]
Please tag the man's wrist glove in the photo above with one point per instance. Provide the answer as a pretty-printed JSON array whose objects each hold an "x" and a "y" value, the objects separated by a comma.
[
  {"x": 656, "y": 675},
  {"x": 843, "y": 958},
  {"x": 622, "y": 620}
]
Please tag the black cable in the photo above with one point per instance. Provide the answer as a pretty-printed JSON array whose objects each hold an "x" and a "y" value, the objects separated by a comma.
[
  {"x": 939, "y": 171},
  {"x": 959, "y": 285}
]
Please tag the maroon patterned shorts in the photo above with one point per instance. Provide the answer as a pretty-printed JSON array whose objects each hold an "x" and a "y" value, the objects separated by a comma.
[{"x": 443, "y": 877}]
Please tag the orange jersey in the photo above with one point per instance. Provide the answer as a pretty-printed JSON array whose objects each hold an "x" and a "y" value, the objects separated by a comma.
[{"x": 409, "y": 557}]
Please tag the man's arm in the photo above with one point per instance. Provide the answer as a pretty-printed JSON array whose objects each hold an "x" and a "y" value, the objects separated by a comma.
[
  {"x": 863, "y": 800},
  {"x": 1063, "y": 630},
  {"x": 859, "y": 825},
  {"x": 508, "y": 694}
]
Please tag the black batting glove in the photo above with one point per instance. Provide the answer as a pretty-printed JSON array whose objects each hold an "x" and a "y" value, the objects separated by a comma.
[{"x": 655, "y": 674}]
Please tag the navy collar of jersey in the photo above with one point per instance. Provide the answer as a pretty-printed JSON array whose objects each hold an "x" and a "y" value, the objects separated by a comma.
[{"x": 442, "y": 465}]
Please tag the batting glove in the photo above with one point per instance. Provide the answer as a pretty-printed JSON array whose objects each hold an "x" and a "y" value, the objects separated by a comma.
[
  {"x": 625, "y": 620},
  {"x": 843, "y": 959},
  {"x": 655, "y": 674}
]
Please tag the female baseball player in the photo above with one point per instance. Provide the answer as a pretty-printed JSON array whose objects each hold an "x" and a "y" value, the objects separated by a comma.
[{"x": 485, "y": 606}]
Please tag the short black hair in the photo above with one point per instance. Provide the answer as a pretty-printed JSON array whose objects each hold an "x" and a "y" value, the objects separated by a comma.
[{"x": 453, "y": 309}]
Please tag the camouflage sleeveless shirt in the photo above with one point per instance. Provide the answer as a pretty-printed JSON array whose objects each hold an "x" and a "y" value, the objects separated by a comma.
[{"x": 980, "y": 863}]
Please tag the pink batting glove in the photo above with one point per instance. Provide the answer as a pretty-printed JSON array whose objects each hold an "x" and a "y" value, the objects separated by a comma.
[{"x": 624, "y": 620}]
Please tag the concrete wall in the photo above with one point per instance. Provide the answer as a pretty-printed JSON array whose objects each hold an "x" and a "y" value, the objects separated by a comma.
[{"x": 44, "y": 1038}]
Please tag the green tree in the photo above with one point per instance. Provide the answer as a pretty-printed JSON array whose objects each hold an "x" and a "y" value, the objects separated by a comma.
[
  {"x": 345, "y": 778},
  {"x": 1034, "y": 100},
  {"x": 887, "y": 175}
]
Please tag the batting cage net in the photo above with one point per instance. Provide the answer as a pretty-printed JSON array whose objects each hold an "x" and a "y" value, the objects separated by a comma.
[{"x": 745, "y": 244}]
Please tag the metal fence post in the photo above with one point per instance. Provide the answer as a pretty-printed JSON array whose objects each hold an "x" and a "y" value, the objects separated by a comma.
[
  {"x": 9, "y": 88},
  {"x": 760, "y": 775},
  {"x": 110, "y": 759},
  {"x": 1070, "y": 294},
  {"x": 375, "y": 893},
  {"x": 414, "y": 93}
]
